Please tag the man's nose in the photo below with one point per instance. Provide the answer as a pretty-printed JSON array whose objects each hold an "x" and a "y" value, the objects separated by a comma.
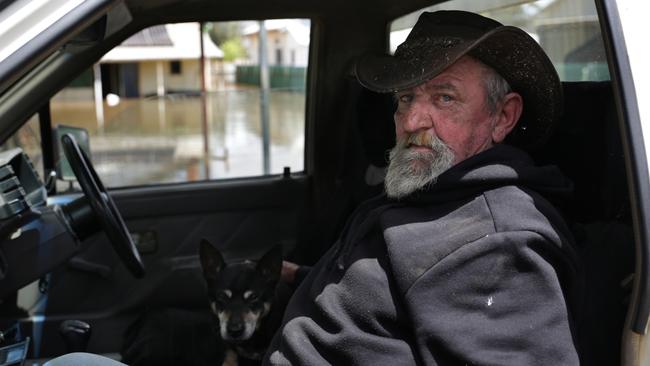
[{"x": 415, "y": 118}]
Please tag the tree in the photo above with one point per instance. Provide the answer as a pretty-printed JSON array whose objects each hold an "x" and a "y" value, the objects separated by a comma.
[
  {"x": 233, "y": 49},
  {"x": 226, "y": 35},
  {"x": 221, "y": 32}
]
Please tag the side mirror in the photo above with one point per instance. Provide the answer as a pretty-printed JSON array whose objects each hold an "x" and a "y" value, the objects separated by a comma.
[{"x": 63, "y": 169}]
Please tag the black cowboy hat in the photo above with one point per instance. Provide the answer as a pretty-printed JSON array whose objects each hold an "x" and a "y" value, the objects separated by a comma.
[{"x": 439, "y": 39}]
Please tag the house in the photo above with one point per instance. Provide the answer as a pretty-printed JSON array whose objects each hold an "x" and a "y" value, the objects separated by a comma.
[
  {"x": 287, "y": 45},
  {"x": 287, "y": 42},
  {"x": 159, "y": 60}
]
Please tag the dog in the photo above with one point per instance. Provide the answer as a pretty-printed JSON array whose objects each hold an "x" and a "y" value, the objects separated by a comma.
[{"x": 247, "y": 301}]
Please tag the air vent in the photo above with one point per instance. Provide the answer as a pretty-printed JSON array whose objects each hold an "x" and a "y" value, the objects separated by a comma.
[
  {"x": 12, "y": 194},
  {"x": 20, "y": 186}
]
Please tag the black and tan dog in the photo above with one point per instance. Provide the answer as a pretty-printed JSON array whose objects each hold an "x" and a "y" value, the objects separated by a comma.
[{"x": 246, "y": 299}]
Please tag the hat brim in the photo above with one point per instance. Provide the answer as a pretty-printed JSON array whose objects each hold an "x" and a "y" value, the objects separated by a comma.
[{"x": 510, "y": 51}]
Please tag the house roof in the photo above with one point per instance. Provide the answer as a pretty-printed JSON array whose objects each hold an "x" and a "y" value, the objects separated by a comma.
[
  {"x": 152, "y": 36},
  {"x": 297, "y": 28},
  {"x": 164, "y": 42}
]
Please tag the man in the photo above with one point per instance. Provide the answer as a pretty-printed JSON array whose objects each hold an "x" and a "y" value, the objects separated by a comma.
[{"x": 464, "y": 261}]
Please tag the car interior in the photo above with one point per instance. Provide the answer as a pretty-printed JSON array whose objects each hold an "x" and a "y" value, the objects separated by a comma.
[{"x": 72, "y": 254}]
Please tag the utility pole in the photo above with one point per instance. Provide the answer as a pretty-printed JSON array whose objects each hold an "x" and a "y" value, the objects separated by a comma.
[
  {"x": 99, "y": 99},
  {"x": 264, "y": 99},
  {"x": 204, "y": 110}
]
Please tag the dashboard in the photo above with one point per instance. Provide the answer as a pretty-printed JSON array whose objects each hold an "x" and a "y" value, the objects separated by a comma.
[{"x": 34, "y": 237}]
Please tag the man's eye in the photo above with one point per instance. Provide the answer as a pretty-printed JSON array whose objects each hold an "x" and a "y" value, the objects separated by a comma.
[
  {"x": 445, "y": 98},
  {"x": 405, "y": 98}
]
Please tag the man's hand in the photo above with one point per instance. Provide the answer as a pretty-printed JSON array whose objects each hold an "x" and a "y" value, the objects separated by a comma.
[{"x": 288, "y": 273}]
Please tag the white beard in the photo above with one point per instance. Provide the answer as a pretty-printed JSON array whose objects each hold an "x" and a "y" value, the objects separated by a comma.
[{"x": 410, "y": 170}]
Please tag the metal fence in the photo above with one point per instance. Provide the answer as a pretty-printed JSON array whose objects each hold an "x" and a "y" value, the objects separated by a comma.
[{"x": 282, "y": 77}]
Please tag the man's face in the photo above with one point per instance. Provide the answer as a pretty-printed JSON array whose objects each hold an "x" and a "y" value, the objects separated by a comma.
[
  {"x": 438, "y": 124},
  {"x": 451, "y": 106}
]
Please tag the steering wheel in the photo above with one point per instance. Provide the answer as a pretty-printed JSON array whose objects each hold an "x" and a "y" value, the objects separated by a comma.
[{"x": 103, "y": 206}]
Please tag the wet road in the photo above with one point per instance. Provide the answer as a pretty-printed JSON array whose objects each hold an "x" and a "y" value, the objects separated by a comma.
[{"x": 157, "y": 140}]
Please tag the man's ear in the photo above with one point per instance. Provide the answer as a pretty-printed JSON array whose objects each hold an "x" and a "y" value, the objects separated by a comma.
[
  {"x": 507, "y": 116},
  {"x": 211, "y": 260},
  {"x": 270, "y": 265}
]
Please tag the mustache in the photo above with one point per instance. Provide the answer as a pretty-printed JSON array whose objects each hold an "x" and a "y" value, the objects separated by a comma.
[{"x": 420, "y": 139}]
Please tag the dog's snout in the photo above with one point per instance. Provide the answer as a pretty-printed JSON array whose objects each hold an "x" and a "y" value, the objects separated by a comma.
[{"x": 236, "y": 329}]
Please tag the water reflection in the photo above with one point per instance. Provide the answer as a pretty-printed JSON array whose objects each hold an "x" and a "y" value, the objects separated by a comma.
[{"x": 156, "y": 140}]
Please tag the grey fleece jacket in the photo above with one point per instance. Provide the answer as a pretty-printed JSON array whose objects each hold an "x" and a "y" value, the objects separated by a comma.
[{"x": 477, "y": 269}]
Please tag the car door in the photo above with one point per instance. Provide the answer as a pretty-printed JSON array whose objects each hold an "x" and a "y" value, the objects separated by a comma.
[
  {"x": 243, "y": 219},
  {"x": 625, "y": 24}
]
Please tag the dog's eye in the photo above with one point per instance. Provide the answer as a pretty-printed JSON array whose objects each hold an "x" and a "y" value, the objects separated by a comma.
[
  {"x": 250, "y": 296},
  {"x": 224, "y": 296}
]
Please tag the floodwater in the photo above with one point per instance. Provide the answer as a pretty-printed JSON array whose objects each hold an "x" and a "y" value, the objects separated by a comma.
[{"x": 155, "y": 140}]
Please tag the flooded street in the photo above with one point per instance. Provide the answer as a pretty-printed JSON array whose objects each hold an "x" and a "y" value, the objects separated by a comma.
[{"x": 157, "y": 140}]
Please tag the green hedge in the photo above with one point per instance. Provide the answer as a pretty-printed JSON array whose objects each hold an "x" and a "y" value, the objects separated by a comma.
[{"x": 282, "y": 77}]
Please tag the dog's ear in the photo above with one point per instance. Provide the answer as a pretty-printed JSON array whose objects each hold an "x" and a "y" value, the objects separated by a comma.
[
  {"x": 270, "y": 265},
  {"x": 211, "y": 260}
]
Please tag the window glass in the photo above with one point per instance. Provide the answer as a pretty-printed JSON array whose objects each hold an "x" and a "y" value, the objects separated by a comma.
[
  {"x": 567, "y": 30},
  {"x": 158, "y": 112}
]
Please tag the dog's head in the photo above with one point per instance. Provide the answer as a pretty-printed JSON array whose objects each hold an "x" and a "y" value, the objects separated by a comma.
[{"x": 240, "y": 293}]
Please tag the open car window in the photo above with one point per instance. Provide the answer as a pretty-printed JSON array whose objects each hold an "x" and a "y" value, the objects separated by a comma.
[
  {"x": 568, "y": 31},
  {"x": 183, "y": 102}
]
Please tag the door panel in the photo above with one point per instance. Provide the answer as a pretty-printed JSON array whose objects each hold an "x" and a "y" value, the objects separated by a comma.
[{"x": 244, "y": 219}]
